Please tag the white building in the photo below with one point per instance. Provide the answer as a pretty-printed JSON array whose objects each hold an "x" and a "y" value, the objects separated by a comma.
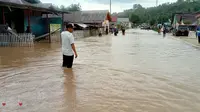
[{"x": 124, "y": 22}]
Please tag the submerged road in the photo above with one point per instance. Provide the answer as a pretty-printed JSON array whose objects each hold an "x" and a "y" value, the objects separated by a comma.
[{"x": 138, "y": 72}]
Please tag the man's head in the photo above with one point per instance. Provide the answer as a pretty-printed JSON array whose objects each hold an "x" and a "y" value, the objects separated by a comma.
[{"x": 69, "y": 27}]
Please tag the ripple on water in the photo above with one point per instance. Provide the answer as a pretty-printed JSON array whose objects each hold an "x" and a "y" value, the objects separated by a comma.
[{"x": 139, "y": 72}]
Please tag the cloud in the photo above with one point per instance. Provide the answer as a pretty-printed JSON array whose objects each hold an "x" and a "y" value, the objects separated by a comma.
[
  {"x": 150, "y": 2},
  {"x": 113, "y": 1},
  {"x": 117, "y": 5}
]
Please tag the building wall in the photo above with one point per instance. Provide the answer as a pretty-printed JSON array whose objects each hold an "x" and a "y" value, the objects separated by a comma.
[
  {"x": 56, "y": 21},
  {"x": 39, "y": 25},
  {"x": 13, "y": 18},
  {"x": 198, "y": 21}
]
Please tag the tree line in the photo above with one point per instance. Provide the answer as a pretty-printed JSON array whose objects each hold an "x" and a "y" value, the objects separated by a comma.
[
  {"x": 161, "y": 13},
  {"x": 72, "y": 7}
]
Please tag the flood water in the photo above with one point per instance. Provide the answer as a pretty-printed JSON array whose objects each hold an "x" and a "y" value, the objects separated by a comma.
[{"x": 139, "y": 72}]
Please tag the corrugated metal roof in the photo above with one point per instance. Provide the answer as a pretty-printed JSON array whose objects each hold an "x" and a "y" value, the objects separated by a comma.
[
  {"x": 96, "y": 16},
  {"x": 12, "y": 1},
  {"x": 34, "y": 4},
  {"x": 74, "y": 17}
]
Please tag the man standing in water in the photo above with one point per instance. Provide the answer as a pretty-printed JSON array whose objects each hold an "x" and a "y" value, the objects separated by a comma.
[
  {"x": 68, "y": 46},
  {"x": 123, "y": 30}
]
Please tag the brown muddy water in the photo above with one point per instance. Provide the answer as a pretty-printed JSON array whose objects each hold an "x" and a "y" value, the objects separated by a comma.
[{"x": 139, "y": 72}]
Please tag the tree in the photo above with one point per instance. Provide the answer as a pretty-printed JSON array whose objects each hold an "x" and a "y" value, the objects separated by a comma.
[
  {"x": 161, "y": 13},
  {"x": 72, "y": 7},
  {"x": 134, "y": 18},
  {"x": 152, "y": 22},
  {"x": 62, "y": 7},
  {"x": 137, "y": 6},
  {"x": 180, "y": 1}
]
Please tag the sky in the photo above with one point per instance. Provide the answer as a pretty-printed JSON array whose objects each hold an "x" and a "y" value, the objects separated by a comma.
[{"x": 117, "y": 5}]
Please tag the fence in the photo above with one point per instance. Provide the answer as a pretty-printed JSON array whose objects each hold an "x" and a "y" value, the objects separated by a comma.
[
  {"x": 24, "y": 39},
  {"x": 81, "y": 33},
  {"x": 84, "y": 33}
]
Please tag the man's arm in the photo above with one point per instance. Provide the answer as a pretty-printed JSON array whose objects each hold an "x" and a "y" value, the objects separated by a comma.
[
  {"x": 73, "y": 45},
  {"x": 74, "y": 49}
]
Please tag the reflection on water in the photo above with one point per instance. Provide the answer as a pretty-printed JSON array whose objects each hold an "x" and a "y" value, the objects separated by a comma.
[
  {"x": 139, "y": 72},
  {"x": 69, "y": 90}
]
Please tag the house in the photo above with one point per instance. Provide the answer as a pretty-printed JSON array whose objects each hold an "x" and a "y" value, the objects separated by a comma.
[
  {"x": 197, "y": 15},
  {"x": 113, "y": 22},
  {"x": 94, "y": 17},
  {"x": 26, "y": 16},
  {"x": 184, "y": 19},
  {"x": 91, "y": 20},
  {"x": 124, "y": 22}
]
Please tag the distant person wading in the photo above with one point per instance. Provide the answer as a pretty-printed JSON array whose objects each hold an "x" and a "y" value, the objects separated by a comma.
[
  {"x": 164, "y": 30},
  {"x": 68, "y": 46}
]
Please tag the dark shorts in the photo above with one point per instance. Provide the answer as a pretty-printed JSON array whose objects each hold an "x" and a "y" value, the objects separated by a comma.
[{"x": 68, "y": 61}]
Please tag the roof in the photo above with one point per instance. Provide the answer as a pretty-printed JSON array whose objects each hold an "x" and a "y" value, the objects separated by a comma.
[
  {"x": 123, "y": 19},
  {"x": 95, "y": 16},
  {"x": 190, "y": 17},
  {"x": 74, "y": 17},
  {"x": 24, "y": 4}
]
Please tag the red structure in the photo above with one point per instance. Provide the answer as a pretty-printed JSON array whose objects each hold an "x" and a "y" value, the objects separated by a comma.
[
  {"x": 114, "y": 19},
  {"x": 108, "y": 17}
]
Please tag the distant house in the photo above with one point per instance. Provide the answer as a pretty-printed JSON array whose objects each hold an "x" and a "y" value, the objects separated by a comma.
[
  {"x": 184, "y": 18},
  {"x": 197, "y": 15},
  {"x": 124, "y": 22},
  {"x": 190, "y": 19},
  {"x": 94, "y": 17}
]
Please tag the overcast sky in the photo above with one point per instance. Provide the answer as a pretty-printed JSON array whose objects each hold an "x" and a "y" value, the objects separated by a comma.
[{"x": 117, "y": 5}]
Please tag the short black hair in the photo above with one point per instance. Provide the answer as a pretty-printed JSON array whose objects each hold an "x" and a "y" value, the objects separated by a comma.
[{"x": 69, "y": 26}]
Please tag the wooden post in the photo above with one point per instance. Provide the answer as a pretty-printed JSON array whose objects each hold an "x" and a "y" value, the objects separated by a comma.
[
  {"x": 63, "y": 28},
  {"x": 4, "y": 20},
  {"x": 29, "y": 22},
  {"x": 49, "y": 29}
]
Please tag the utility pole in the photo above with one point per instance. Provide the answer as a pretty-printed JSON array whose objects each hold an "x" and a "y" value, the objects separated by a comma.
[
  {"x": 156, "y": 3},
  {"x": 110, "y": 6}
]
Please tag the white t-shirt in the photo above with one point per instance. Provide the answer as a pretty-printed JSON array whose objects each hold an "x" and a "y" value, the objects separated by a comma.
[{"x": 67, "y": 41}]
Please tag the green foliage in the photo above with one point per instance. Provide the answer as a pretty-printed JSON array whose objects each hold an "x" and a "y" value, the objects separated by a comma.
[
  {"x": 161, "y": 13},
  {"x": 134, "y": 18},
  {"x": 152, "y": 22},
  {"x": 72, "y": 7}
]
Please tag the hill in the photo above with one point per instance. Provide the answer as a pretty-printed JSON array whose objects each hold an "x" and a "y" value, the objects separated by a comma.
[{"x": 161, "y": 13}]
